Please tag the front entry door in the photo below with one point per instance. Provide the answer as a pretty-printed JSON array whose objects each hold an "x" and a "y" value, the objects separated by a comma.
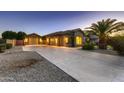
[{"x": 34, "y": 41}]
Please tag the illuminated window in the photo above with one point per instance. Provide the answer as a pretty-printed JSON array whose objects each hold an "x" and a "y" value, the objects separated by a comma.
[
  {"x": 26, "y": 40},
  {"x": 56, "y": 40},
  {"x": 47, "y": 40},
  {"x": 78, "y": 40},
  {"x": 40, "y": 40},
  {"x": 66, "y": 39}
]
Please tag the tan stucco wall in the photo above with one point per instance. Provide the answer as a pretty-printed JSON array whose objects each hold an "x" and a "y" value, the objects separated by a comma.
[
  {"x": 33, "y": 41},
  {"x": 13, "y": 42}
]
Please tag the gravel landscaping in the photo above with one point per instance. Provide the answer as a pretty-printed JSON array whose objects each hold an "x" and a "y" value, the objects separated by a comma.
[{"x": 26, "y": 66}]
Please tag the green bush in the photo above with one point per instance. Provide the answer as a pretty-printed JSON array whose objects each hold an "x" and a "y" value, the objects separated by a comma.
[
  {"x": 9, "y": 35},
  {"x": 109, "y": 47},
  {"x": 2, "y": 41},
  {"x": 2, "y": 48},
  {"x": 117, "y": 43},
  {"x": 88, "y": 46},
  {"x": 2, "y": 45},
  {"x": 8, "y": 46}
]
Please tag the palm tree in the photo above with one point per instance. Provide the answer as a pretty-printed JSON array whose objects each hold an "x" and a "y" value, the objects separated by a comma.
[{"x": 105, "y": 27}]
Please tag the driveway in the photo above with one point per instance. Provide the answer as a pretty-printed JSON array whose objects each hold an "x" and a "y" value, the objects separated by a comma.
[{"x": 83, "y": 65}]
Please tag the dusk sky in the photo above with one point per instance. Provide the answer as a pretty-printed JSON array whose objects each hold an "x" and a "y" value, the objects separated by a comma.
[{"x": 47, "y": 22}]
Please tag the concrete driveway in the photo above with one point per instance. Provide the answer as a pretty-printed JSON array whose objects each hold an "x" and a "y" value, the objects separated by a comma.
[{"x": 83, "y": 65}]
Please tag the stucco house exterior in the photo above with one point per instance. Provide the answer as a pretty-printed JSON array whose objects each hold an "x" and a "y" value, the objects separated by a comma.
[
  {"x": 68, "y": 38},
  {"x": 33, "y": 39}
]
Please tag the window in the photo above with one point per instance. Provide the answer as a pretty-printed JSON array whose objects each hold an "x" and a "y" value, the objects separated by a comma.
[
  {"x": 47, "y": 40},
  {"x": 40, "y": 40},
  {"x": 26, "y": 40},
  {"x": 56, "y": 40},
  {"x": 66, "y": 39},
  {"x": 78, "y": 40}
]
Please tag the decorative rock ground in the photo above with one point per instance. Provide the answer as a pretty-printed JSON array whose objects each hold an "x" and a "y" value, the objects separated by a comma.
[{"x": 20, "y": 66}]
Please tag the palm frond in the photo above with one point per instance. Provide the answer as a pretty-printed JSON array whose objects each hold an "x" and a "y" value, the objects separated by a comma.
[
  {"x": 106, "y": 26},
  {"x": 115, "y": 27}
]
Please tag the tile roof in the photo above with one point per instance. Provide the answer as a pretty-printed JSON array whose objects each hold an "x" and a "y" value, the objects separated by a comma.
[
  {"x": 33, "y": 34},
  {"x": 63, "y": 32}
]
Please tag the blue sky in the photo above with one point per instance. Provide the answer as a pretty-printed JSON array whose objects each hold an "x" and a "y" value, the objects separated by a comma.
[{"x": 42, "y": 22}]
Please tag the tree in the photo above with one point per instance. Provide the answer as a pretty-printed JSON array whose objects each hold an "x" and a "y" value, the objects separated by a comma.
[
  {"x": 9, "y": 35},
  {"x": 105, "y": 27},
  {"x": 21, "y": 35},
  {"x": 13, "y": 35}
]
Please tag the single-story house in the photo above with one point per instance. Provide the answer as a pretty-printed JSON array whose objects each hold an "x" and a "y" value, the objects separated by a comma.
[
  {"x": 32, "y": 39},
  {"x": 69, "y": 38}
]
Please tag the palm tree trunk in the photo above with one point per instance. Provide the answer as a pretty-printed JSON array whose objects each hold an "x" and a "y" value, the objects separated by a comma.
[{"x": 102, "y": 42}]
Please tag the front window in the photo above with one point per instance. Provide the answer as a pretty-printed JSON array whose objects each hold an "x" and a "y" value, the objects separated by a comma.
[
  {"x": 47, "y": 40},
  {"x": 40, "y": 40},
  {"x": 78, "y": 40},
  {"x": 56, "y": 40},
  {"x": 66, "y": 39}
]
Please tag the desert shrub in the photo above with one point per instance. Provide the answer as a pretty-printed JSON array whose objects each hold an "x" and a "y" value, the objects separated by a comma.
[
  {"x": 8, "y": 46},
  {"x": 88, "y": 46},
  {"x": 109, "y": 47},
  {"x": 117, "y": 43},
  {"x": 96, "y": 47}
]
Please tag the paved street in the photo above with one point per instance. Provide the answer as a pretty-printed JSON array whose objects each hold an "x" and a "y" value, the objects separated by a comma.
[{"x": 83, "y": 65}]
